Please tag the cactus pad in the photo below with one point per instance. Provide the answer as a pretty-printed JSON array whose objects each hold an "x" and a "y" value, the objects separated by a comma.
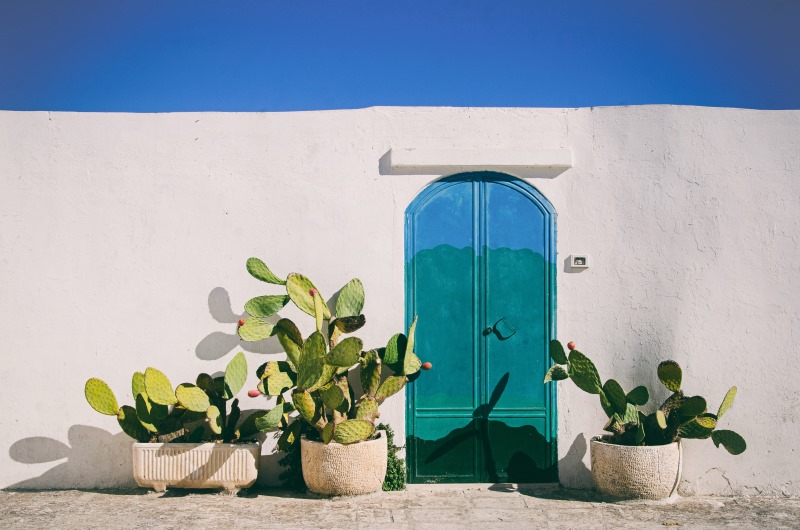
[
  {"x": 101, "y": 397},
  {"x": 557, "y": 352},
  {"x": 265, "y": 306},
  {"x": 298, "y": 287},
  {"x": 391, "y": 386},
  {"x": 235, "y": 375},
  {"x": 214, "y": 419},
  {"x": 727, "y": 403},
  {"x": 272, "y": 419},
  {"x": 271, "y": 368},
  {"x": 129, "y": 422},
  {"x": 351, "y": 299},
  {"x": 206, "y": 382},
  {"x": 692, "y": 406},
  {"x": 137, "y": 384},
  {"x": 192, "y": 398},
  {"x": 700, "y": 428},
  {"x": 352, "y": 431},
  {"x": 555, "y": 373},
  {"x": 616, "y": 396},
  {"x": 367, "y": 410},
  {"x": 158, "y": 387},
  {"x": 312, "y": 361},
  {"x": 349, "y": 324},
  {"x": 291, "y": 340},
  {"x": 731, "y": 440},
  {"x": 638, "y": 396},
  {"x": 393, "y": 355},
  {"x": 670, "y": 374},
  {"x": 255, "y": 329},
  {"x": 327, "y": 433},
  {"x": 661, "y": 419},
  {"x": 279, "y": 383},
  {"x": 319, "y": 312},
  {"x": 346, "y": 353},
  {"x": 305, "y": 405},
  {"x": 144, "y": 409},
  {"x": 260, "y": 271},
  {"x": 370, "y": 372},
  {"x": 333, "y": 397},
  {"x": 583, "y": 372}
]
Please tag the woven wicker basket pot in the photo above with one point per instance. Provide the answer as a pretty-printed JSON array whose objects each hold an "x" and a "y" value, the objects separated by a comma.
[
  {"x": 195, "y": 465},
  {"x": 636, "y": 472},
  {"x": 336, "y": 469}
]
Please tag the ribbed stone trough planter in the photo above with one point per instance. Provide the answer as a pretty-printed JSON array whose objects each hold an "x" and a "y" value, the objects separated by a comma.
[
  {"x": 336, "y": 469},
  {"x": 636, "y": 472},
  {"x": 195, "y": 465}
]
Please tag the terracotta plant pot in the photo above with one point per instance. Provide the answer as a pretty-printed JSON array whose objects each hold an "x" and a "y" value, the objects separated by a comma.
[
  {"x": 336, "y": 469},
  {"x": 195, "y": 465},
  {"x": 636, "y": 472}
]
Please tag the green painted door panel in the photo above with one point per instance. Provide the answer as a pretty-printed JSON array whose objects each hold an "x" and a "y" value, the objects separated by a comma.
[{"x": 480, "y": 273}]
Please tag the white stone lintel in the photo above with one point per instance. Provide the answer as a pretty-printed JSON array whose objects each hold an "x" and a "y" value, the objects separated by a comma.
[{"x": 443, "y": 159}]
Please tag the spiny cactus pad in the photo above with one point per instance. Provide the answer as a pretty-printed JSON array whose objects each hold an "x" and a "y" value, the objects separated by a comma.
[
  {"x": 349, "y": 324},
  {"x": 370, "y": 372},
  {"x": 298, "y": 287},
  {"x": 557, "y": 352},
  {"x": 272, "y": 419},
  {"x": 260, "y": 271},
  {"x": 291, "y": 340},
  {"x": 305, "y": 405},
  {"x": 692, "y": 406},
  {"x": 192, "y": 398},
  {"x": 130, "y": 424},
  {"x": 311, "y": 362},
  {"x": 144, "y": 408},
  {"x": 583, "y": 373},
  {"x": 391, "y": 386},
  {"x": 235, "y": 375},
  {"x": 661, "y": 419},
  {"x": 727, "y": 403},
  {"x": 265, "y": 306},
  {"x": 101, "y": 397},
  {"x": 638, "y": 396},
  {"x": 346, "y": 353},
  {"x": 158, "y": 387},
  {"x": 368, "y": 410},
  {"x": 670, "y": 374},
  {"x": 255, "y": 329},
  {"x": 352, "y": 431},
  {"x": 351, "y": 299},
  {"x": 616, "y": 396},
  {"x": 327, "y": 433},
  {"x": 214, "y": 419},
  {"x": 137, "y": 384},
  {"x": 279, "y": 383},
  {"x": 555, "y": 373},
  {"x": 393, "y": 355},
  {"x": 700, "y": 427},
  {"x": 206, "y": 382},
  {"x": 731, "y": 440}
]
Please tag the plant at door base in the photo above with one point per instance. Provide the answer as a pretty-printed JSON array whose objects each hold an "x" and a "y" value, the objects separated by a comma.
[
  {"x": 680, "y": 416},
  {"x": 189, "y": 413},
  {"x": 319, "y": 368}
]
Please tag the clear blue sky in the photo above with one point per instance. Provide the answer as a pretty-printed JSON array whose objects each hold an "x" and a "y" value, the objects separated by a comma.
[{"x": 176, "y": 55}]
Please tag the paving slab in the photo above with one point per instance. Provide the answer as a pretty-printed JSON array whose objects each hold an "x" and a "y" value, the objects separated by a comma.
[{"x": 419, "y": 507}]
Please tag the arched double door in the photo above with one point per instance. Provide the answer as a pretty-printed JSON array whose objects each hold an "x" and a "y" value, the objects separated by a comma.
[{"x": 480, "y": 274}]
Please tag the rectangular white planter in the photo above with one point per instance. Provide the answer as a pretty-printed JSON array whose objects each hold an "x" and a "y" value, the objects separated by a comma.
[{"x": 187, "y": 465}]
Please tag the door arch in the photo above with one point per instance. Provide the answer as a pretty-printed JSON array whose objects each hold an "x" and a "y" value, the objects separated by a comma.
[{"x": 480, "y": 274}]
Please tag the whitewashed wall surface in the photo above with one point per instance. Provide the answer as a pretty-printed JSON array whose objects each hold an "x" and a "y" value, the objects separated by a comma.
[{"x": 123, "y": 239}]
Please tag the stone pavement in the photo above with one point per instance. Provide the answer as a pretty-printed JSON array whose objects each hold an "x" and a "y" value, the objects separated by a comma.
[{"x": 434, "y": 507}]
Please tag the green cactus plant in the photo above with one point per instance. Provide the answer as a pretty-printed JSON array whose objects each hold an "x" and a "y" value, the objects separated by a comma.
[
  {"x": 679, "y": 416},
  {"x": 189, "y": 412},
  {"x": 318, "y": 369}
]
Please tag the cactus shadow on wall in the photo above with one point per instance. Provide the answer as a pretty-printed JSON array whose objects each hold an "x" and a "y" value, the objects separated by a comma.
[
  {"x": 219, "y": 343},
  {"x": 95, "y": 459}
]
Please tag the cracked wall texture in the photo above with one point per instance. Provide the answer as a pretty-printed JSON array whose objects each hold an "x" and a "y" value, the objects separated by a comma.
[{"x": 124, "y": 236}]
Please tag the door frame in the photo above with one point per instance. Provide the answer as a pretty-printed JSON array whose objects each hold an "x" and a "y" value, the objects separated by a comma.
[{"x": 543, "y": 204}]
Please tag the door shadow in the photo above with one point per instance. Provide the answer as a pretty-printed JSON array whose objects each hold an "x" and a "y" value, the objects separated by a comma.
[{"x": 509, "y": 454}]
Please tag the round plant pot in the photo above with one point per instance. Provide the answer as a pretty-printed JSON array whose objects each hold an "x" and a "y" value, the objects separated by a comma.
[
  {"x": 636, "y": 472},
  {"x": 336, "y": 469}
]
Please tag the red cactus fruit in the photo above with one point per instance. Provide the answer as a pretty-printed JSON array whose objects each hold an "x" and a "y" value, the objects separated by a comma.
[
  {"x": 253, "y": 393},
  {"x": 571, "y": 345},
  {"x": 312, "y": 292},
  {"x": 241, "y": 323},
  {"x": 426, "y": 366}
]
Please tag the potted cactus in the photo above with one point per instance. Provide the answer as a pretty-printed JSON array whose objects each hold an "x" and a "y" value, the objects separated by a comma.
[
  {"x": 334, "y": 383},
  {"x": 640, "y": 455},
  {"x": 189, "y": 437}
]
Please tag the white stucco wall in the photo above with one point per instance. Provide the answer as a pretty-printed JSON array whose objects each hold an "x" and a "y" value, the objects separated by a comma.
[{"x": 123, "y": 240}]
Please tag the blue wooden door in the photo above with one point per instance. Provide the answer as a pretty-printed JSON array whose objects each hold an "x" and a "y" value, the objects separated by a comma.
[{"x": 480, "y": 273}]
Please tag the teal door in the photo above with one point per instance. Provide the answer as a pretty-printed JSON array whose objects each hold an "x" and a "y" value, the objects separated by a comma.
[{"x": 480, "y": 273}]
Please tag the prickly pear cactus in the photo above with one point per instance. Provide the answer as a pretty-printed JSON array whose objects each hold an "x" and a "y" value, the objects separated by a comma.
[{"x": 101, "y": 397}]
